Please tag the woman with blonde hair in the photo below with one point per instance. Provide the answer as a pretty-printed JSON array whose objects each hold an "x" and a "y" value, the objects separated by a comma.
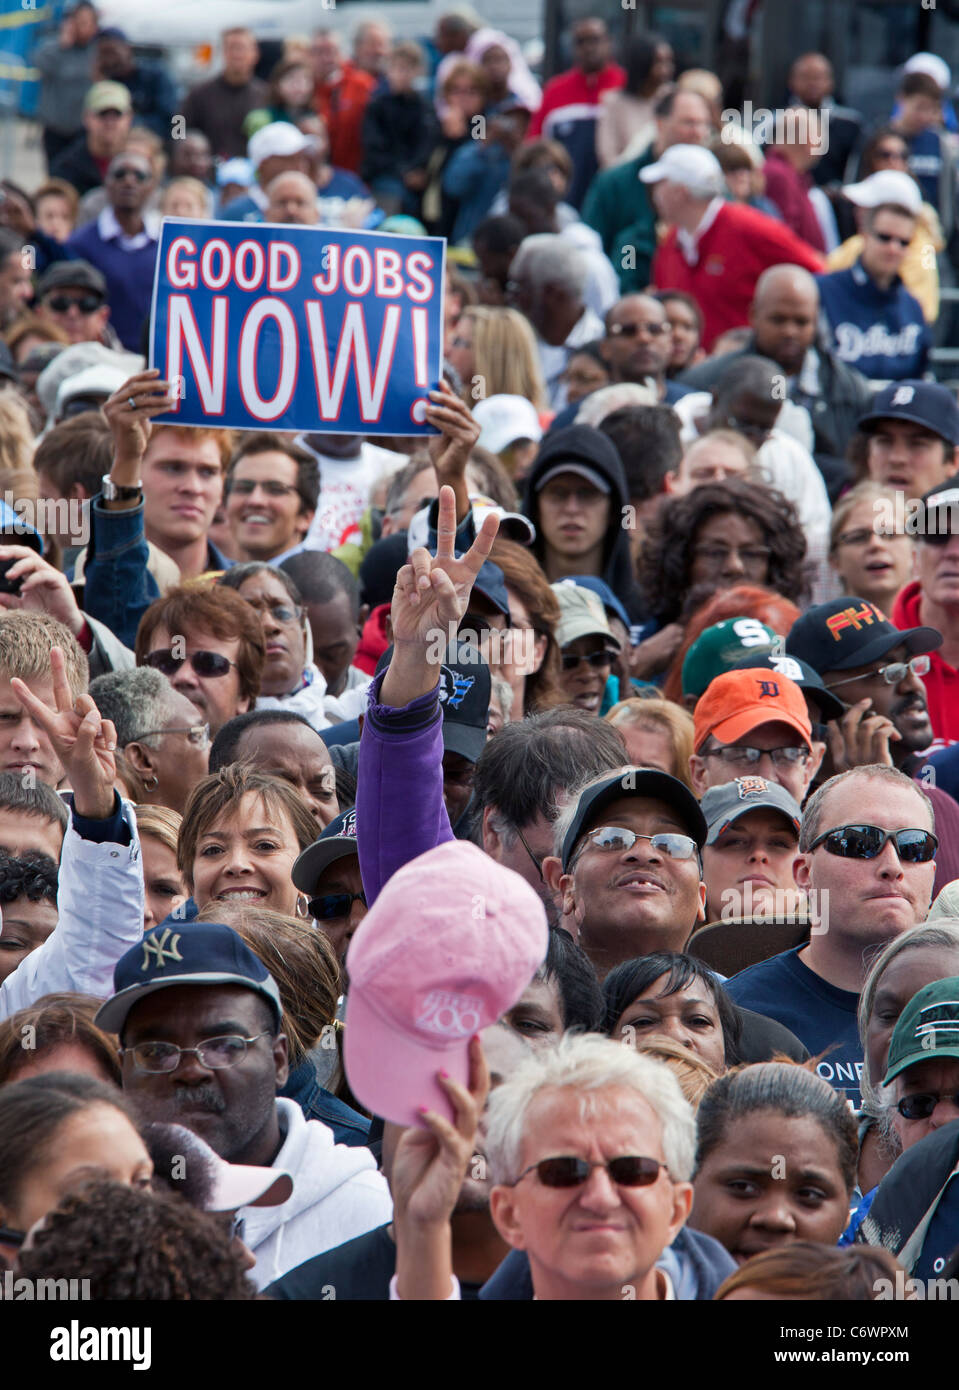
[
  {"x": 872, "y": 559},
  {"x": 657, "y": 733},
  {"x": 494, "y": 352},
  {"x": 531, "y": 663},
  {"x": 16, "y": 443},
  {"x": 186, "y": 197},
  {"x": 163, "y": 886}
]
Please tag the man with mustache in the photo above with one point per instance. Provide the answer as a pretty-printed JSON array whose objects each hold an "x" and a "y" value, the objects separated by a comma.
[{"x": 200, "y": 1027}]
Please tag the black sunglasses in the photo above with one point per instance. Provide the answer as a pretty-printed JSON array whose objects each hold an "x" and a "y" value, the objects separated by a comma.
[
  {"x": 597, "y": 659},
  {"x": 329, "y": 906},
  {"x": 203, "y": 663},
  {"x": 921, "y": 1106},
  {"x": 936, "y": 537},
  {"x": 140, "y": 175},
  {"x": 632, "y": 1170},
  {"x": 8, "y": 1236},
  {"x": 62, "y": 304},
  {"x": 869, "y": 841}
]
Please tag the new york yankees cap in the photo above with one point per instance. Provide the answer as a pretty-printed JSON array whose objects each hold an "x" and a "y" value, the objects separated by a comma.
[
  {"x": 188, "y": 953},
  {"x": 448, "y": 947},
  {"x": 920, "y": 402},
  {"x": 737, "y": 702},
  {"x": 337, "y": 841},
  {"x": 850, "y": 631}
]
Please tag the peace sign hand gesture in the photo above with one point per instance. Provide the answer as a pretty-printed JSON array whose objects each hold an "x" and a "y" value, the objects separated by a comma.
[{"x": 82, "y": 741}]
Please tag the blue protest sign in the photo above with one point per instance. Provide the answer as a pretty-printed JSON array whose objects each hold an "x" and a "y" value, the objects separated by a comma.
[{"x": 297, "y": 328}]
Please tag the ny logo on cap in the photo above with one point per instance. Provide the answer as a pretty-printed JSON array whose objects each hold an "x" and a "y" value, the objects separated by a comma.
[
  {"x": 852, "y": 617},
  {"x": 453, "y": 688},
  {"x": 156, "y": 946},
  {"x": 903, "y": 396},
  {"x": 751, "y": 786},
  {"x": 768, "y": 689}
]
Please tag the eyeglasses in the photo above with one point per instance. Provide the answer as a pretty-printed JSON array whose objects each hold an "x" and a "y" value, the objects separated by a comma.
[
  {"x": 917, "y": 1107},
  {"x": 280, "y": 611},
  {"x": 615, "y": 838},
  {"x": 140, "y": 175},
  {"x": 215, "y": 1053},
  {"x": 8, "y": 1236},
  {"x": 535, "y": 858},
  {"x": 595, "y": 659},
  {"x": 198, "y": 734},
  {"x": 632, "y": 1170},
  {"x": 892, "y": 674},
  {"x": 740, "y": 755},
  {"x": 62, "y": 303},
  {"x": 752, "y": 556},
  {"x": 863, "y": 536},
  {"x": 751, "y": 431},
  {"x": 203, "y": 663},
  {"x": 633, "y": 330},
  {"x": 869, "y": 841},
  {"x": 245, "y": 487},
  {"x": 887, "y": 238},
  {"x": 329, "y": 906}
]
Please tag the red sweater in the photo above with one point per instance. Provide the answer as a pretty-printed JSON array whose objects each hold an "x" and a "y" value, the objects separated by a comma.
[
  {"x": 733, "y": 253},
  {"x": 789, "y": 190},
  {"x": 942, "y": 682},
  {"x": 574, "y": 88}
]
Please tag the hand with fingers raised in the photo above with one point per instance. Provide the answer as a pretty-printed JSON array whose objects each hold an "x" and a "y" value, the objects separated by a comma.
[
  {"x": 84, "y": 743},
  {"x": 431, "y": 596},
  {"x": 429, "y": 1168}
]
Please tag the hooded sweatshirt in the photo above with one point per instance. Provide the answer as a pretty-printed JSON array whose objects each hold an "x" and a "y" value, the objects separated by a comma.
[
  {"x": 590, "y": 448},
  {"x": 337, "y": 1194}
]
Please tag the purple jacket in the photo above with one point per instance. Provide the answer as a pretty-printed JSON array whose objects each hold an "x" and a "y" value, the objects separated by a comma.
[{"x": 400, "y": 812}]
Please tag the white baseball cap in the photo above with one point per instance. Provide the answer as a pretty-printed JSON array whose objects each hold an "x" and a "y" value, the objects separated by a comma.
[
  {"x": 505, "y": 419},
  {"x": 281, "y": 138},
  {"x": 888, "y": 186},
  {"x": 933, "y": 66},
  {"x": 690, "y": 165}
]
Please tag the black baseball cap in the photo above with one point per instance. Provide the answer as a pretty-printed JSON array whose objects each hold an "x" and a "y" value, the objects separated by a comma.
[
  {"x": 851, "y": 631},
  {"x": 491, "y": 583},
  {"x": 71, "y": 275},
  {"x": 647, "y": 782},
  {"x": 939, "y": 510},
  {"x": 920, "y": 402},
  {"x": 337, "y": 841},
  {"x": 465, "y": 687},
  {"x": 188, "y": 953},
  {"x": 809, "y": 681}
]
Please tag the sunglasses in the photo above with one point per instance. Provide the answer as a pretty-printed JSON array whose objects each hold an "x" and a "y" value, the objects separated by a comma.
[
  {"x": 245, "y": 487},
  {"x": 203, "y": 663},
  {"x": 62, "y": 303},
  {"x": 140, "y": 175},
  {"x": 887, "y": 238},
  {"x": 869, "y": 841},
  {"x": 632, "y": 1170},
  {"x": 8, "y": 1236},
  {"x": 936, "y": 537},
  {"x": 918, "y": 1107},
  {"x": 596, "y": 659},
  {"x": 615, "y": 838},
  {"x": 633, "y": 330},
  {"x": 892, "y": 675},
  {"x": 329, "y": 906}
]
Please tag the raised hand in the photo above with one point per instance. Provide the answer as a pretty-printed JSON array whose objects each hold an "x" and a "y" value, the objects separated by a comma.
[
  {"x": 83, "y": 742},
  {"x": 43, "y": 589},
  {"x": 129, "y": 411},
  {"x": 450, "y": 449}
]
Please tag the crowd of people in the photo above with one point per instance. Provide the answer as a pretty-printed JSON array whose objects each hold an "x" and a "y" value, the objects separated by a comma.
[{"x": 396, "y": 832}]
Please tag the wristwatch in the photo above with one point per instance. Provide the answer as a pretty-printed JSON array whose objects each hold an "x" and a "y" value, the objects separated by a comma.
[{"x": 113, "y": 493}]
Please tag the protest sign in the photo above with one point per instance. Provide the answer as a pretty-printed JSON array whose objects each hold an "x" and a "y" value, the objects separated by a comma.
[{"x": 297, "y": 328}]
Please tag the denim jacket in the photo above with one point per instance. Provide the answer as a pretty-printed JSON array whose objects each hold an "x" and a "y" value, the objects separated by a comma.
[{"x": 349, "y": 1126}]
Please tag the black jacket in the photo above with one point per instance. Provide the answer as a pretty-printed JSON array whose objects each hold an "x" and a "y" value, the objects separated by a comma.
[
  {"x": 398, "y": 135},
  {"x": 585, "y": 445},
  {"x": 77, "y": 165}
]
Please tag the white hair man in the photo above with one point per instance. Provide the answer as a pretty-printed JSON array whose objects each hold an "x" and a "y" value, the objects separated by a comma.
[
  {"x": 591, "y": 1150},
  {"x": 548, "y": 283}
]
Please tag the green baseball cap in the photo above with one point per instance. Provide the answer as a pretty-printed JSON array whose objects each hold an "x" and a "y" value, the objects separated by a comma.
[
  {"x": 720, "y": 647},
  {"x": 928, "y": 1027}
]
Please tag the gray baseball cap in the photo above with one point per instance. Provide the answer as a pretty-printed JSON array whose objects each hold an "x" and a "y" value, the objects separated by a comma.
[{"x": 724, "y": 805}]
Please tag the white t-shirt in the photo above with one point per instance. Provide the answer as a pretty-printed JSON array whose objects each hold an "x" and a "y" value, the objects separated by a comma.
[{"x": 345, "y": 487}]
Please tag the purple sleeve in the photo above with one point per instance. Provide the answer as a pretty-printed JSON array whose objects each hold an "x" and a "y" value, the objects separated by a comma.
[{"x": 400, "y": 812}]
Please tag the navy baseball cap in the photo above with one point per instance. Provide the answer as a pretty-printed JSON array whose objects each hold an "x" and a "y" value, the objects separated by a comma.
[
  {"x": 849, "y": 631},
  {"x": 491, "y": 583},
  {"x": 337, "y": 841},
  {"x": 189, "y": 953},
  {"x": 635, "y": 781},
  {"x": 809, "y": 681},
  {"x": 8, "y": 368},
  {"x": 465, "y": 687},
  {"x": 921, "y": 403}
]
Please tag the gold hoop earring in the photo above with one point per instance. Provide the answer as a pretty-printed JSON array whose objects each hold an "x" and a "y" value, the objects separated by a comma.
[{"x": 152, "y": 785}]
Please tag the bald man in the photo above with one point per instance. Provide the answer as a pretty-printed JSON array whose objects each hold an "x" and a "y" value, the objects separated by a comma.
[
  {"x": 292, "y": 199},
  {"x": 639, "y": 343},
  {"x": 784, "y": 316}
]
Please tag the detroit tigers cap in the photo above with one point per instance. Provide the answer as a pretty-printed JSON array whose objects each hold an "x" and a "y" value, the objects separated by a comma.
[
  {"x": 826, "y": 705},
  {"x": 850, "y": 631},
  {"x": 920, "y": 402},
  {"x": 737, "y": 702},
  {"x": 194, "y": 953},
  {"x": 337, "y": 841},
  {"x": 723, "y": 805}
]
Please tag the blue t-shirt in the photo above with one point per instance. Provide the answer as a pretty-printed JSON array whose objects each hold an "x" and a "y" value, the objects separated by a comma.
[{"x": 822, "y": 1016}]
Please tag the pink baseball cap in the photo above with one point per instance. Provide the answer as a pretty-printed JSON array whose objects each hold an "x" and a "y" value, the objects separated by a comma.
[
  {"x": 235, "y": 1185},
  {"x": 448, "y": 947}
]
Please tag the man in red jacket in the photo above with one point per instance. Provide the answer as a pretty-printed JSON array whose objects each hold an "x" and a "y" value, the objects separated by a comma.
[
  {"x": 933, "y": 601},
  {"x": 714, "y": 250},
  {"x": 340, "y": 96}
]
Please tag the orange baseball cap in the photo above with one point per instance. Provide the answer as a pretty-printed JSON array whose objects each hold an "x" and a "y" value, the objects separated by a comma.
[{"x": 737, "y": 702}]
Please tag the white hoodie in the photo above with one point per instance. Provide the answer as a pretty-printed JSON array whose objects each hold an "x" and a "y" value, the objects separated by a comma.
[{"x": 337, "y": 1194}]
